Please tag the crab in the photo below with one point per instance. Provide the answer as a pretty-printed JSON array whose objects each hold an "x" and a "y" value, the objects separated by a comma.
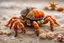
[{"x": 31, "y": 16}]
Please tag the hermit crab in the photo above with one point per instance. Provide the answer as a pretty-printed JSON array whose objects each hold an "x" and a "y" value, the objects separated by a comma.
[{"x": 31, "y": 16}]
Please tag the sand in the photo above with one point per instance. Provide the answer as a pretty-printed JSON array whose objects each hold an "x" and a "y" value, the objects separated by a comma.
[{"x": 30, "y": 36}]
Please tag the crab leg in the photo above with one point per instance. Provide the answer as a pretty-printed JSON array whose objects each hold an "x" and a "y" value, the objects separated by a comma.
[
  {"x": 11, "y": 20},
  {"x": 36, "y": 27},
  {"x": 46, "y": 21},
  {"x": 51, "y": 22},
  {"x": 22, "y": 26},
  {"x": 16, "y": 29},
  {"x": 21, "y": 20},
  {"x": 55, "y": 21}
]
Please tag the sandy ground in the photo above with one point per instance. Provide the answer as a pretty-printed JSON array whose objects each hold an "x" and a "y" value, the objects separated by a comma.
[{"x": 29, "y": 37}]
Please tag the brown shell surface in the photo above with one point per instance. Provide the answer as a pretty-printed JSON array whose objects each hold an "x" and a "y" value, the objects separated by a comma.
[{"x": 60, "y": 9}]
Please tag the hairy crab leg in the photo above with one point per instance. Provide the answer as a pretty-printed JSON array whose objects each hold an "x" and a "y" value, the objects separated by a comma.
[
  {"x": 36, "y": 27},
  {"x": 11, "y": 20}
]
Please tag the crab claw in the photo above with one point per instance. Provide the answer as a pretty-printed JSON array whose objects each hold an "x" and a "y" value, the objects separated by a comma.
[{"x": 52, "y": 21}]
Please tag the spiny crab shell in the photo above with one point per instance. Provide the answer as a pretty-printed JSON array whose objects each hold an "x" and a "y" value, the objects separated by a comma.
[{"x": 32, "y": 14}]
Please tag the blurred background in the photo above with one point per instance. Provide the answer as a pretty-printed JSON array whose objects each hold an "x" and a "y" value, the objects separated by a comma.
[{"x": 22, "y": 3}]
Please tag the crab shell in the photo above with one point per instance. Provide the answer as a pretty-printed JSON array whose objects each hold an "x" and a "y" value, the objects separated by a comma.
[
  {"x": 32, "y": 13},
  {"x": 60, "y": 38}
]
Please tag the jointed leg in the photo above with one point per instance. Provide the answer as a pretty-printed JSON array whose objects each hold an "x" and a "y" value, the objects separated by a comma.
[
  {"x": 45, "y": 21},
  {"x": 11, "y": 20},
  {"x": 14, "y": 22},
  {"x": 36, "y": 27},
  {"x": 51, "y": 22},
  {"x": 15, "y": 29},
  {"x": 18, "y": 23},
  {"x": 52, "y": 19},
  {"x": 55, "y": 21},
  {"x": 22, "y": 27}
]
